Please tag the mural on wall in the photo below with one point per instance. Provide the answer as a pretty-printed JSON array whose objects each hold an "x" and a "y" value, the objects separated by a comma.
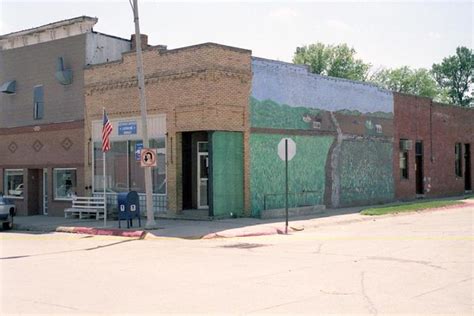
[
  {"x": 306, "y": 171},
  {"x": 356, "y": 118}
]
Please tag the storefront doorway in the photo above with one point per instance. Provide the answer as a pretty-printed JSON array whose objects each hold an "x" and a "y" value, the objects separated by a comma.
[
  {"x": 202, "y": 175},
  {"x": 467, "y": 169},
  {"x": 195, "y": 171}
]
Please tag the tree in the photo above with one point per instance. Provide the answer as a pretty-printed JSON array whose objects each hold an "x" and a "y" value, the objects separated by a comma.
[
  {"x": 406, "y": 80},
  {"x": 336, "y": 61},
  {"x": 455, "y": 74}
]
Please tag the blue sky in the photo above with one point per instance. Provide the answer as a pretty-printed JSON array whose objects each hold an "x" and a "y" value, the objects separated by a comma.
[{"x": 384, "y": 33}]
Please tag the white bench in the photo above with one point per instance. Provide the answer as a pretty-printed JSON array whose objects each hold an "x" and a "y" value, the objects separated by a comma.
[{"x": 85, "y": 207}]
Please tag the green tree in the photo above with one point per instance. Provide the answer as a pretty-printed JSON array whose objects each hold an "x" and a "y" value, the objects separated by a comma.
[
  {"x": 455, "y": 75},
  {"x": 335, "y": 61},
  {"x": 406, "y": 80}
]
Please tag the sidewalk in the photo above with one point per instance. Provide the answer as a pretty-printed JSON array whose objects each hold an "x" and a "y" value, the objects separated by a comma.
[{"x": 193, "y": 229}]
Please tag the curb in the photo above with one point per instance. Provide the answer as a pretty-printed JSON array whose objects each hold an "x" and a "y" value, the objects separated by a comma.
[
  {"x": 102, "y": 231},
  {"x": 239, "y": 232}
]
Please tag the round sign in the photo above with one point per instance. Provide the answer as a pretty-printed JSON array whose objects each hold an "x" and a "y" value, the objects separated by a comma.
[
  {"x": 291, "y": 149},
  {"x": 148, "y": 157}
]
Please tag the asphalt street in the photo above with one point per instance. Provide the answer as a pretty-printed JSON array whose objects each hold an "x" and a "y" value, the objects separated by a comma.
[{"x": 419, "y": 263}]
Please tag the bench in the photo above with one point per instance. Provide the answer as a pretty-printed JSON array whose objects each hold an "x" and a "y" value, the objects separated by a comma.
[{"x": 85, "y": 207}]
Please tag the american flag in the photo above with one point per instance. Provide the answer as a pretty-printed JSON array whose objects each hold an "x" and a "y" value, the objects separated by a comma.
[{"x": 106, "y": 130}]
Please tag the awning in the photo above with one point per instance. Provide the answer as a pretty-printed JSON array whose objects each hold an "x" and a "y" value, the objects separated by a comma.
[{"x": 8, "y": 87}]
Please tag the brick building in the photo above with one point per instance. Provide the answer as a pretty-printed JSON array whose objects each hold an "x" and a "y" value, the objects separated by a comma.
[
  {"x": 197, "y": 100},
  {"x": 432, "y": 154},
  {"x": 42, "y": 111}
]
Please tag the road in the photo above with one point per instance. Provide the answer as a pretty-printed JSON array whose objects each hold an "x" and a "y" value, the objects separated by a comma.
[{"x": 419, "y": 263}]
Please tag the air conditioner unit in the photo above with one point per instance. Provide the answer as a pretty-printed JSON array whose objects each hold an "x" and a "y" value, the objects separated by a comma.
[{"x": 406, "y": 144}]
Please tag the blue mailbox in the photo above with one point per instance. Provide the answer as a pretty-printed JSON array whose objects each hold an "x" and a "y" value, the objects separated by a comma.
[{"x": 128, "y": 208}]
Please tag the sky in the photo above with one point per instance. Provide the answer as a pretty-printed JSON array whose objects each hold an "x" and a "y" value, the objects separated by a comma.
[{"x": 384, "y": 33}]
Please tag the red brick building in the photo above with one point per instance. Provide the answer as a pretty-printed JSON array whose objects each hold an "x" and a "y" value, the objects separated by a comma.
[{"x": 432, "y": 148}]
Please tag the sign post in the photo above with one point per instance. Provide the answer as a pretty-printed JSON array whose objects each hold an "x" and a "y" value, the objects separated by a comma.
[{"x": 286, "y": 152}]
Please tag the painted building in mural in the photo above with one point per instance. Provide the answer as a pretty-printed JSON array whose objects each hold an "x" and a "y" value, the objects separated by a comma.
[{"x": 343, "y": 132}]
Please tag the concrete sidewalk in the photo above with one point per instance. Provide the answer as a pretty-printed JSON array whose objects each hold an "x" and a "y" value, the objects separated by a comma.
[{"x": 193, "y": 229}]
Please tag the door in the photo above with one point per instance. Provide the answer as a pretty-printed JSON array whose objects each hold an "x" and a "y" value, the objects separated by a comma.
[
  {"x": 419, "y": 167},
  {"x": 202, "y": 175},
  {"x": 467, "y": 168},
  {"x": 45, "y": 191}
]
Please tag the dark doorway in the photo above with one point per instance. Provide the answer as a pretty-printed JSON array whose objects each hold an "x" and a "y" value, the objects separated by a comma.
[
  {"x": 194, "y": 167},
  {"x": 467, "y": 169},
  {"x": 419, "y": 167}
]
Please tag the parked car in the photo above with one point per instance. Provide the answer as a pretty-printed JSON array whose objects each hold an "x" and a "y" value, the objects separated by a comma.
[
  {"x": 7, "y": 212},
  {"x": 17, "y": 192}
]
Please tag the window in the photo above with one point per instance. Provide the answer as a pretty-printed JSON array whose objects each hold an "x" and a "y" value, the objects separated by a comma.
[
  {"x": 404, "y": 164},
  {"x": 65, "y": 183},
  {"x": 13, "y": 183},
  {"x": 458, "y": 160},
  {"x": 38, "y": 103},
  {"x": 123, "y": 170}
]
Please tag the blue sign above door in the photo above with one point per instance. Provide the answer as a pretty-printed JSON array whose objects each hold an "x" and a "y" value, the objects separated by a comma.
[{"x": 127, "y": 128}]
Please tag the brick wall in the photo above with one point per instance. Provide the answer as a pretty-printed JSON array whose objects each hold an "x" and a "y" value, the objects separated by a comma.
[
  {"x": 36, "y": 65},
  {"x": 439, "y": 127},
  {"x": 199, "y": 88}
]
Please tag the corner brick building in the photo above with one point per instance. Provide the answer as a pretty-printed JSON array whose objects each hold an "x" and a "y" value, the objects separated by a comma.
[{"x": 197, "y": 101}]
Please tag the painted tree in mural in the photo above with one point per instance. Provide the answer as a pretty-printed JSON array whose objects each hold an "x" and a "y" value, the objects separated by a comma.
[
  {"x": 335, "y": 61},
  {"x": 455, "y": 74},
  {"x": 413, "y": 81}
]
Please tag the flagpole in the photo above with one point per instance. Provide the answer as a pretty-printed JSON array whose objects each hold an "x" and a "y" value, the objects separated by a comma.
[{"x": 105, "y": 197}]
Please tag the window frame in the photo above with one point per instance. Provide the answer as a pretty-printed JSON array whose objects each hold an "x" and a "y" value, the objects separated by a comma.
[
  {"x": 5, "y": 186},
  {"x": 130, "y": 155},
  {"x": 55, "y": 198},
  {"x": 38, "y": 104}
]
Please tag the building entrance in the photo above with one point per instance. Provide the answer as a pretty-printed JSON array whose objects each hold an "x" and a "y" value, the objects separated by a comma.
[
  {"x": 467, "y": 169},
  {"x": 419, "y": 167},
  {"x": 195, "y": 171}
]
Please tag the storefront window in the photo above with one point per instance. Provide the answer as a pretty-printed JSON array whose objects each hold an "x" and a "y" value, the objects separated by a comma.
[
  {"x": 123, "y": 170},
  {"x": 65, "y": 183},
  {"x": 13, "y": 183}
]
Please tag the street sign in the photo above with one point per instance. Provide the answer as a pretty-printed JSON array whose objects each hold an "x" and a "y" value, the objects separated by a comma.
[
  {"x": 127, "y": 128},
  {"x": 138, "y": 149},
  {"x": 291, "y": 149},
  {"x": 148, "y": 157}
]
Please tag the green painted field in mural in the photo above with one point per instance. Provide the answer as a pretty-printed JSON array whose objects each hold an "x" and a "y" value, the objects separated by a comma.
[
  {"x": 227, "y": 174},
  {"x": 306, "y": 171},
  {"x": 270, "y": 114},
  {"x": 366, "y": 172}
]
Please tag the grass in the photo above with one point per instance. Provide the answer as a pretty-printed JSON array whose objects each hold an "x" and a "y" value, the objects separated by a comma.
[{"x": 411, "y": 207}]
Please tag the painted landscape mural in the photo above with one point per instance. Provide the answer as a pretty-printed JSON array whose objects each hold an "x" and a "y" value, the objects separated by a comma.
[{"x": 343, "y": 131}]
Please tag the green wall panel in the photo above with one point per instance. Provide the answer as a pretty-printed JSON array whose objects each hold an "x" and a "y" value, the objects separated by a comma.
[
  {"x": 227, "y": 173},
  {"x": 306, "y": 171},
  {"x": 366, "y": 172}
]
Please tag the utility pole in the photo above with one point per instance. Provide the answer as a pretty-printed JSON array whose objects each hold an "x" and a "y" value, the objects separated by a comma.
[{"x": 150, "y": 217}]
